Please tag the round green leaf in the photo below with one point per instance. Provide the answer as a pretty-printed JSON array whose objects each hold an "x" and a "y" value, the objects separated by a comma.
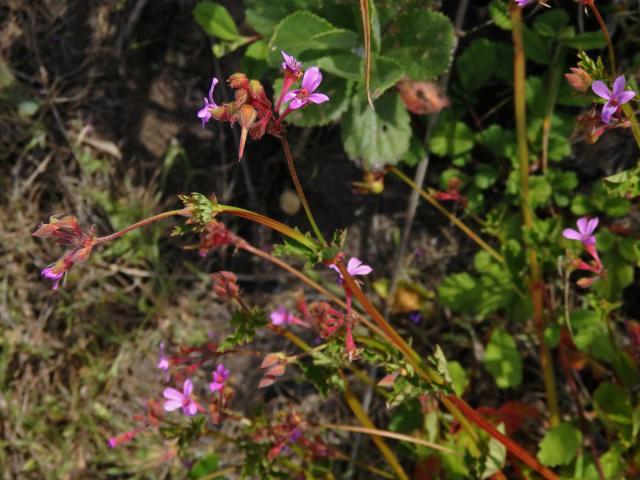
[
  {"x": 560, "y": 445},
  {"x": 422, "y": 42},
  {"x": 503, "y": 359},
  {"x": 377, "y": 137}
]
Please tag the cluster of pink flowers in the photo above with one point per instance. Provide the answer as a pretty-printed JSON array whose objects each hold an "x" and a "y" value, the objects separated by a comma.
[
  {"x": 252, "y": 109},
  {"x": 584, "y": 234}
]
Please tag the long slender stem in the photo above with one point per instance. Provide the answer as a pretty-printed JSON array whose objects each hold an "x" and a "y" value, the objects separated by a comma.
[
  {"x": 596, "y": 13},
  {"x": 455, "y": 220},
  {"x": 298, "y": 185},
  {"x": 363, "y": 418},
  {"x": 385, "y": 433},
  {"x": 142, "y": 223},
  {"x": 536, "y": 283}
]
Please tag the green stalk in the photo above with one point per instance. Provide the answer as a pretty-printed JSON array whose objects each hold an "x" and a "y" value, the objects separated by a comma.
[{"x": 536, "y": 281}]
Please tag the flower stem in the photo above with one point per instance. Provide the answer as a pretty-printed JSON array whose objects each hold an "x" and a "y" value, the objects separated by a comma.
[
  {"x": 596, "y": 13},
  {"x": 298, "y": 185},
  {"x": 268, "y": 222},
  {"x": 536, "y": 283},
  {"x": 142, "y": 223},
  {"x": 455, "y": 220}
]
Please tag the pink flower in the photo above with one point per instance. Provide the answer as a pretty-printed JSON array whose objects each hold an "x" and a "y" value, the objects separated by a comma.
[
  {"x": 584, "y": 234},
  {"x": 619, "y": 96},
  {"x": 163, "y": 361},
  {"x": 176, "y": 399},
  {"x": 280, "y": 316},
  {"x": 310, "y": 82},
  {"x": 291, "y": 64},
  {"x": 204, "y": 112},
  {"x": 53, "y": 272},
  {"x": 220, "y": 376},
  {"x": 355, "y": 267},
  {"x": 523, "y": 3}
]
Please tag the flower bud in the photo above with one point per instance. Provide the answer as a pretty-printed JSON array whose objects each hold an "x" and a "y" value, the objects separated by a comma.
[
  {"x": 579, "y": 79},
  {"x": 256, "y": 90},
  {"x": 241, "y": 98},
  {"x": 238, "y": 80},
  {"x": 220, "y": 113},
  {"x": 246, "y": 116}
]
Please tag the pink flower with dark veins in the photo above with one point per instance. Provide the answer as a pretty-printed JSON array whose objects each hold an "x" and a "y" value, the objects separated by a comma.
[
  {"x": 204, "y": 113},
  {"x": 306, "y": 93},
  {"x": 177, "y": 399},
  {"x": 584, "y": 234},
  {"x": 615, "y": 98}
]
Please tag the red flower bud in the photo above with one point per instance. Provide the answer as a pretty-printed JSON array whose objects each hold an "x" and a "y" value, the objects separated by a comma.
[
  {"x": 238, "y": 80},
  {"x": 579, "y": 79}
]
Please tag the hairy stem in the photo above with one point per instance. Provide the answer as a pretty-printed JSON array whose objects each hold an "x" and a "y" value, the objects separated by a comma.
[
  {"x": 143, "y": 223},
  {"x": 536, "y": 283},
  {"x": 298, "y": 185}
]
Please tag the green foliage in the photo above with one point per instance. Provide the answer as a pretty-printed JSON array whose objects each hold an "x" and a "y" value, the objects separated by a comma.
[
  {"x": 422, "y": 42},
  {"x": 202, "y": 210},
  {"x": 205, "y": 468},
  {"x": 245, "y": 325},
  {"x": 503, "y": 360},
  {"x": 377, "y": 137},
  {"x": 560, "y": 445}
]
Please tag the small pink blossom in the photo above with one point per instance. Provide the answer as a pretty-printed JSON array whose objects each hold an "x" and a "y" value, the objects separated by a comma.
[
  {"x": 220, "y": 376},
  {"x": 305, "y": 94},
  {"x": 355, "y": 267},
  {"x": 177, "y": 399},
  {"x": 291, "y": 64},
  {"x": 615, "y": 98},
  {"x": 52, "y": 272},
  {"x": 204, "y": 114},
  {"x": 584, "y": 234},
  {"x": 282, "y": 316},
  {"x": 163, "y": 361}
]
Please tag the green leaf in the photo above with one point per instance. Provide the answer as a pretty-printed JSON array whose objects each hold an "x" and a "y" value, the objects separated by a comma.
[
  {"x": 625, "y": 183},
  {"x": 377, "y": 137},
  {"x": 459, "y": 377},
  {"x": 499, "y": 141},
  {"x": 422, "y": 42},
  {"x": 416, "y": 152},
  {"x": 478, "y": 63},
  {"x": 540, "y": 191},
  {"x": 245, "y": 325},
  {"x": 535, "y": 47},
  {"x": 215, "y": 20},
  {"x": 590, "y": 334},
  {"x": 550, "y": 23},
  {"x": 223, "y": 48},
  {"x": 560, "y": 445},
  {"x": 613, "y": 406},
  {"x": 385, "y": 73},
  {"x": 485, "y": 176},
  {"x": 205, "y": 467},
  {"x": 305, "y": 31},
  {"x": 585, "y": 41},
  {"x": 407, "y": 418},
  {"x": 451, "y": 138},
  {"x": 502, "y": 359},
  {"x": 345, "y": 65},
  {"x": 499, "y": 11},
  {"x": 265, "y": 16}
]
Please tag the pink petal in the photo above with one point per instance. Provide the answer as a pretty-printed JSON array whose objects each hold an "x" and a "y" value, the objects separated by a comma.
[
  {"x": 311, "y": 79},
  {"x": 214, "y": 82},
  {"x": 600, "y": 88},
  {"x": 291, "y": 95},
  {"x": 187, "y": 388},
  {"x": 318, "y": 98},
  {"x": 353, "y": 263},
  {"x": 618, "y": 85},
  {"x": 363, "y": 270},
  {"x": 607, "y": 112},
  {"x": 571, "y": 234},
  {"x": 625, "y": 97},
  {"x": 190, "y": 409},
  {"x": 215, "y": 386},
  {"x": 278, "y": 317},
  {"x": 583, "y": 223},
  {"x": 297, "y": 103},
  {"x": 171, "y": 405},
  {"x": 172, "y": 394},
  {"x": 592, "y": 225}
]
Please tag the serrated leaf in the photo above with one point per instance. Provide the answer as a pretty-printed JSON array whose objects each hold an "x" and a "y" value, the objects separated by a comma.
[
  {"x": 422, "y": 42},
  {"x": 305, "y": 31},
  {"x": 215, "y": 20},
  {"x": 502, "y": 359},
  {"x": 265, "y": 16},
  {"x": 377, "y": 137},
  {"x": 560, "y": 445},
  {"x": 385, "y": 73},
  {"x": 245, "y": 325}
]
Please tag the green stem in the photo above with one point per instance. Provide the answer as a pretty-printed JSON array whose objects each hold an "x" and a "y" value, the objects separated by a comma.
[
  {"x": 142, "y": 223},
  {"x": 536, "y": 282},
  {"x": 455, "y": 220},
  {"x": 298, "y": 185}
]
